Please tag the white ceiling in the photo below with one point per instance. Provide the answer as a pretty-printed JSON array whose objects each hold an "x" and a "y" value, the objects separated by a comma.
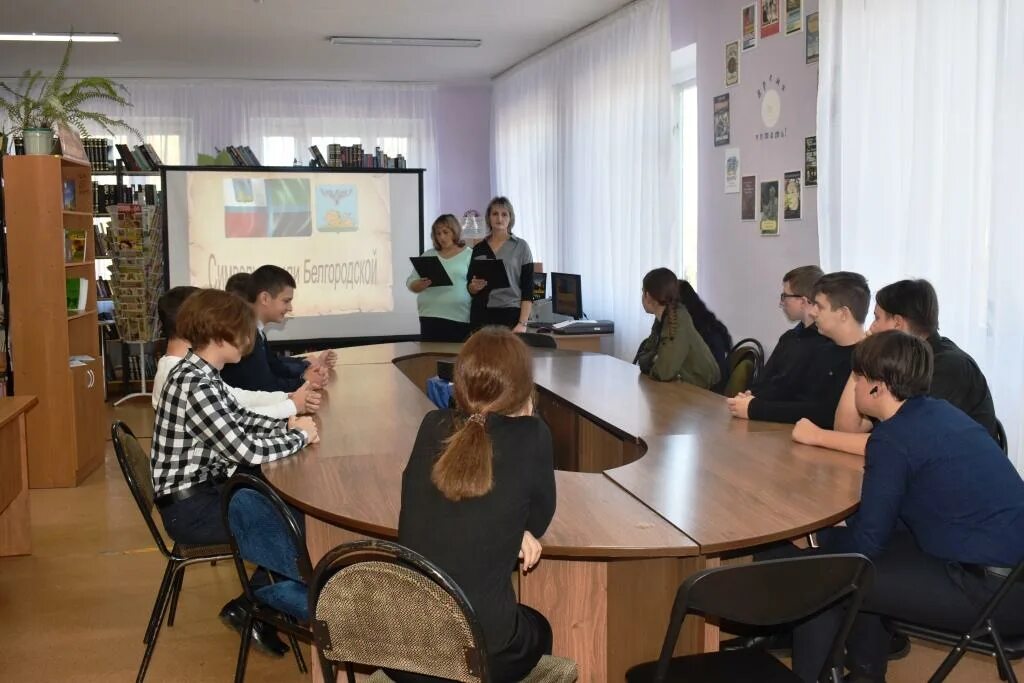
[{"x": 287, "y": 38}]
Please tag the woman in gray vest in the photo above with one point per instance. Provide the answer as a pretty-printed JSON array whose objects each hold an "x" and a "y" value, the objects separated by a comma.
[{"x": 506, "y": 306}]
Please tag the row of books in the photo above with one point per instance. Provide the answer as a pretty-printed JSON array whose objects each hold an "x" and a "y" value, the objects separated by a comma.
[
  {"x": 98, "y": 151},
  {"x": 104, "y": 196},
  {"x": 240, "y": 155},
  {"x": 141, "y": 158},
  {"x": 353, "y": 156}
]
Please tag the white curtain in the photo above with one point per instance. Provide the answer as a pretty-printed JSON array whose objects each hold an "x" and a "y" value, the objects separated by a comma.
[
  {"x": 582, "y": 148},
  {"x": 920, "y": 142},
  {"x": 280, "y": 120}
]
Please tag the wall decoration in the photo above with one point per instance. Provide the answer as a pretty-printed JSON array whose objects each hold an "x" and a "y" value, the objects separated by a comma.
[
  {"x": 732, "y": 170},
  {"x": 792, "y": 197},
  {"x": 770, "y": 207},
  {"x": 770, "y": 94},
  {"x": 811, "y": 49},
  {"x": 748, "y": 198},
  {"x": 721, "y": 119},
  {"x": 769, "y": 17},
  {"x": 794, "y": 16},
  {"x": 732, "y": 63},
  {"x": 749, "y": 27},
  {"x": 811, "y": 161}
]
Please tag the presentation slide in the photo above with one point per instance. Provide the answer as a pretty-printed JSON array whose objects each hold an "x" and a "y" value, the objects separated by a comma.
[{"x": 346, "y": 238}]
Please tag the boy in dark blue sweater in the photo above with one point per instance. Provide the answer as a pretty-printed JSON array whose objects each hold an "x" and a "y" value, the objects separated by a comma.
[{"x": 941, "y": 514}]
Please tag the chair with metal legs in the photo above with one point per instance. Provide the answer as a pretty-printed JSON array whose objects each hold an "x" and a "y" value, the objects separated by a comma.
[{"x": 135, "y": 465}]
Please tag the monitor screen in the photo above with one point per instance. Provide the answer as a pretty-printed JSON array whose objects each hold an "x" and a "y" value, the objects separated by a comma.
[
  {"x": 567, "y": 299},
  {"x": 540, "y": 286}
]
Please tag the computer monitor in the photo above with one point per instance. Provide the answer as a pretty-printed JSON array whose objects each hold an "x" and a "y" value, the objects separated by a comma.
[
  {"x": 567, "y": 298},
  {"x": 540, "y": 286}
]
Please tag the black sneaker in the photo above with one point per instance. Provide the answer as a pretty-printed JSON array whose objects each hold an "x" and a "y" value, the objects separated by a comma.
[
  {"x": 263, "y": 635},
  {"x": 899, "y": 646}
]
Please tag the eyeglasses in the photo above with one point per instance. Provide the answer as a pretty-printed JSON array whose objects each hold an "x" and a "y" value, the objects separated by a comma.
[{"x": 784, "y": 296}]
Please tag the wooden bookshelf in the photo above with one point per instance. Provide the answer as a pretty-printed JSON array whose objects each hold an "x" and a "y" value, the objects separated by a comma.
[{"x": 66, "y": 431}]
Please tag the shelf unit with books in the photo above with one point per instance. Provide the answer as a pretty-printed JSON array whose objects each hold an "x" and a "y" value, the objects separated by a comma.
[{"x": 55, "y": 341}]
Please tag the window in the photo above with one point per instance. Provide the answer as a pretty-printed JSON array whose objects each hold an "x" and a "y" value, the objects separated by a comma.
[
  {"x": 278, "y": 150},
  {"x": 394, "y": 146},
  {"x": 686, "y": 96}
]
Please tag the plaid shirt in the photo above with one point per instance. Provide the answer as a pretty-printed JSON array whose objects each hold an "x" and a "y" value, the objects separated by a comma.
[{"x": 202, "y": 433}]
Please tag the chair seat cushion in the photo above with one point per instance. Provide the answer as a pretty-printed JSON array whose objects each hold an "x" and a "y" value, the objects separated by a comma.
[
  {"x": 736, "y": 665},
  {"x": 553, "y": 670},
  {"x": 288, "y": 597}
]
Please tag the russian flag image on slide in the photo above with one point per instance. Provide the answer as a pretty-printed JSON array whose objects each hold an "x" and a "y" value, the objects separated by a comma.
[{"x": 245, "y": 208}]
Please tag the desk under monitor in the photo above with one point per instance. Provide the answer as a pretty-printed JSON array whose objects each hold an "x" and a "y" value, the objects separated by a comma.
[{"x": 656, "y": 481}]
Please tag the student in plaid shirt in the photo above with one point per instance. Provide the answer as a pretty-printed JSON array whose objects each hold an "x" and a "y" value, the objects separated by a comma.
[{"x": 202, "y": 434}]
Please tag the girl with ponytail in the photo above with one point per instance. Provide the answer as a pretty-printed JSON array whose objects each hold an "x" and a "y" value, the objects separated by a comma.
[
  {"x": 477, "y": 492},
  {"x": 674, "y": 349}
]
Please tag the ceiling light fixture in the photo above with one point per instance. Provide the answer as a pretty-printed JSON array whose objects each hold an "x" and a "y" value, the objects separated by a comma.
[
  {"x": 404, "y": 42},
  {"x": 62, "y": 37}
]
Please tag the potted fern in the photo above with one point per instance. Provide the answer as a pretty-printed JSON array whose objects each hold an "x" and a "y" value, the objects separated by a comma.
[{"x": 40, "y": 102}]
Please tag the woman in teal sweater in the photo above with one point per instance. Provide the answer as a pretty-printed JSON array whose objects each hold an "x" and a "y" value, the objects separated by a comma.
[
  {"x": 675, "y": 350},
  {"x": 444, "y": 310}
]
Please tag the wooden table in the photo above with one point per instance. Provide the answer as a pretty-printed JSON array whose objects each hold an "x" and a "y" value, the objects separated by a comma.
[
  {"x": 595, "y": 343},
  {"x": 15, "y": 526},
  {"x": 656, "y": 481}
]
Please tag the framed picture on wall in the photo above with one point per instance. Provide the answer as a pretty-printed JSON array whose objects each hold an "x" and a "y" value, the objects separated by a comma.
[
  {"x": 811, "y": 45},
  {"x": 732, "y": 63},
  {"x": 770, "y": 207},
  {"x": 749, "y": 23},
  {"x": 792, "y": 196},
  {"x": 748, "y": 198},
  {"x": 721, "y": 119},
  {"x": 732, "y": 170},
  {"x": 769, "y": 11},
  {"x": 794, "y": 16},
  {"x": 811, "y": 161}
]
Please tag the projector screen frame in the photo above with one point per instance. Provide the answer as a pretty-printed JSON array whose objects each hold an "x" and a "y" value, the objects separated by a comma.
[{"x": 305, "y": 343}]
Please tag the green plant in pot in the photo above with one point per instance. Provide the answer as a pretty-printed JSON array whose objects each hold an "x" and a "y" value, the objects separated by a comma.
[{"x": 39, "y": 103}]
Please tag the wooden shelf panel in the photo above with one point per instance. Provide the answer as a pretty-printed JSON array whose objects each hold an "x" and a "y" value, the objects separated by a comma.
[
  {"x": 64, "y": 161},
  {"x": 78, "y": 213},
  {"x": 76, "y": 316},
  {"x": 76, "y": 264}
]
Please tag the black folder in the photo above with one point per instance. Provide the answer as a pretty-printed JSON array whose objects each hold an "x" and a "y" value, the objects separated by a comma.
[
  {"x": 431, "y": 268},
  {"x": 492, "y": 270}
]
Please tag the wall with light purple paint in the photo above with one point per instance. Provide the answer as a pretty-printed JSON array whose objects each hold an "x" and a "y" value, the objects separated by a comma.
[
  {"x": 740, "y": 271},
  {"x": 464, "y": 148}
]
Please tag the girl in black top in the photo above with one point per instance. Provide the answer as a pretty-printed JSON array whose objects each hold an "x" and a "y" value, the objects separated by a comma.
[
  {"x": 478, "y": 491},
  {"x": 712, "y": 330}
]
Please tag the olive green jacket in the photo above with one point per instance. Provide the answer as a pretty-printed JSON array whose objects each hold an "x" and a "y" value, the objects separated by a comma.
[{"x": 675, "y": 350}]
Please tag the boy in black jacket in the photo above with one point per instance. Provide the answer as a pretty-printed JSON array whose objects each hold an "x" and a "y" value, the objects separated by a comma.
[
  {"x": 840, "y": 307},
  {"x": 271, "y": 289}
]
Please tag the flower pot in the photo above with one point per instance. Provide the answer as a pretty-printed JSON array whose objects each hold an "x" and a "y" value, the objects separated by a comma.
[{"x": 38, "y": 140}]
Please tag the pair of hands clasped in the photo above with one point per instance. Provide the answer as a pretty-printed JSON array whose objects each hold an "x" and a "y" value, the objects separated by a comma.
[
  {"x": 307, "y": 398},
  {"x": 804, "y": 431}
]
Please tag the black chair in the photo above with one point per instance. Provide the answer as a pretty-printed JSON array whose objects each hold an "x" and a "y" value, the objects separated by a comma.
[
  {"x": 264, "y": 531},
  {"x": 135, "y": 465},
  {"x": 380, "y": 604},
  {"x": 745, "y": 363},
  {"x": 983, "y": 637},
  {"x": 1001, "y": 437},
  {"x": 767, "y": 593},
  {"x": 538, "y": 341}
]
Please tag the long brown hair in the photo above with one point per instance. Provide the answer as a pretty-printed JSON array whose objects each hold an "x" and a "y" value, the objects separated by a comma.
[
  {"x": 663, "y": 286},
  {"x": 493, "y": 374}
]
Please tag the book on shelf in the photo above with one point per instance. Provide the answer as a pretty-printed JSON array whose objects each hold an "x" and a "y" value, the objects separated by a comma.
[
  {"x": 98, "y": 151},
  {"x": 153, "y": 156},
  {"x": 77, "y": 294},
  {"x": 100, "y": 240},
  {"x": 103, "y": 290},
  {"x": 69, "y": 192},
  {"x": 141, "y": 162},
  {"x": 74, "y": 245}
]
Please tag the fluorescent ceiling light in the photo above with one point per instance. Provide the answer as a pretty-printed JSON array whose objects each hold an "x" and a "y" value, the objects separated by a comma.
[
  {"x": 405, "y": 42},
  {"x": 63, "y": 37}
]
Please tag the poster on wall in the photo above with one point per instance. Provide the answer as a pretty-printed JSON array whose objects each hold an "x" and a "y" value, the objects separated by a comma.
[
  {"x": 811, "y": 161},
  {"x": 732, "y": 63},
  {"x": 749, "y": 27},
  {"x": 748, "y": 199},
  {"x": 770, "y": 207},
  {"x": 811, "y": 49},
  {"x": 794, "y": 16},
  {"x": 721, "y": 120},
  {"x": 769, "y": 17},
  {"x": 732, "y": 170},
  {"x": 792, "y": 197}
]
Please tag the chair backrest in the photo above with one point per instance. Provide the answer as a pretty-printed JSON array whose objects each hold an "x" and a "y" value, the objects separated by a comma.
[
  {"x": 380, "y": 604},
  {"x": 538, "y": 341},
  {"x": 1001, "y": 437},
  {"x": 771, "y": 593},
  {"x": 263, "y": 530},
  {"x": 137, "y": 470},
  {"x": 744, "y": 364}
]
